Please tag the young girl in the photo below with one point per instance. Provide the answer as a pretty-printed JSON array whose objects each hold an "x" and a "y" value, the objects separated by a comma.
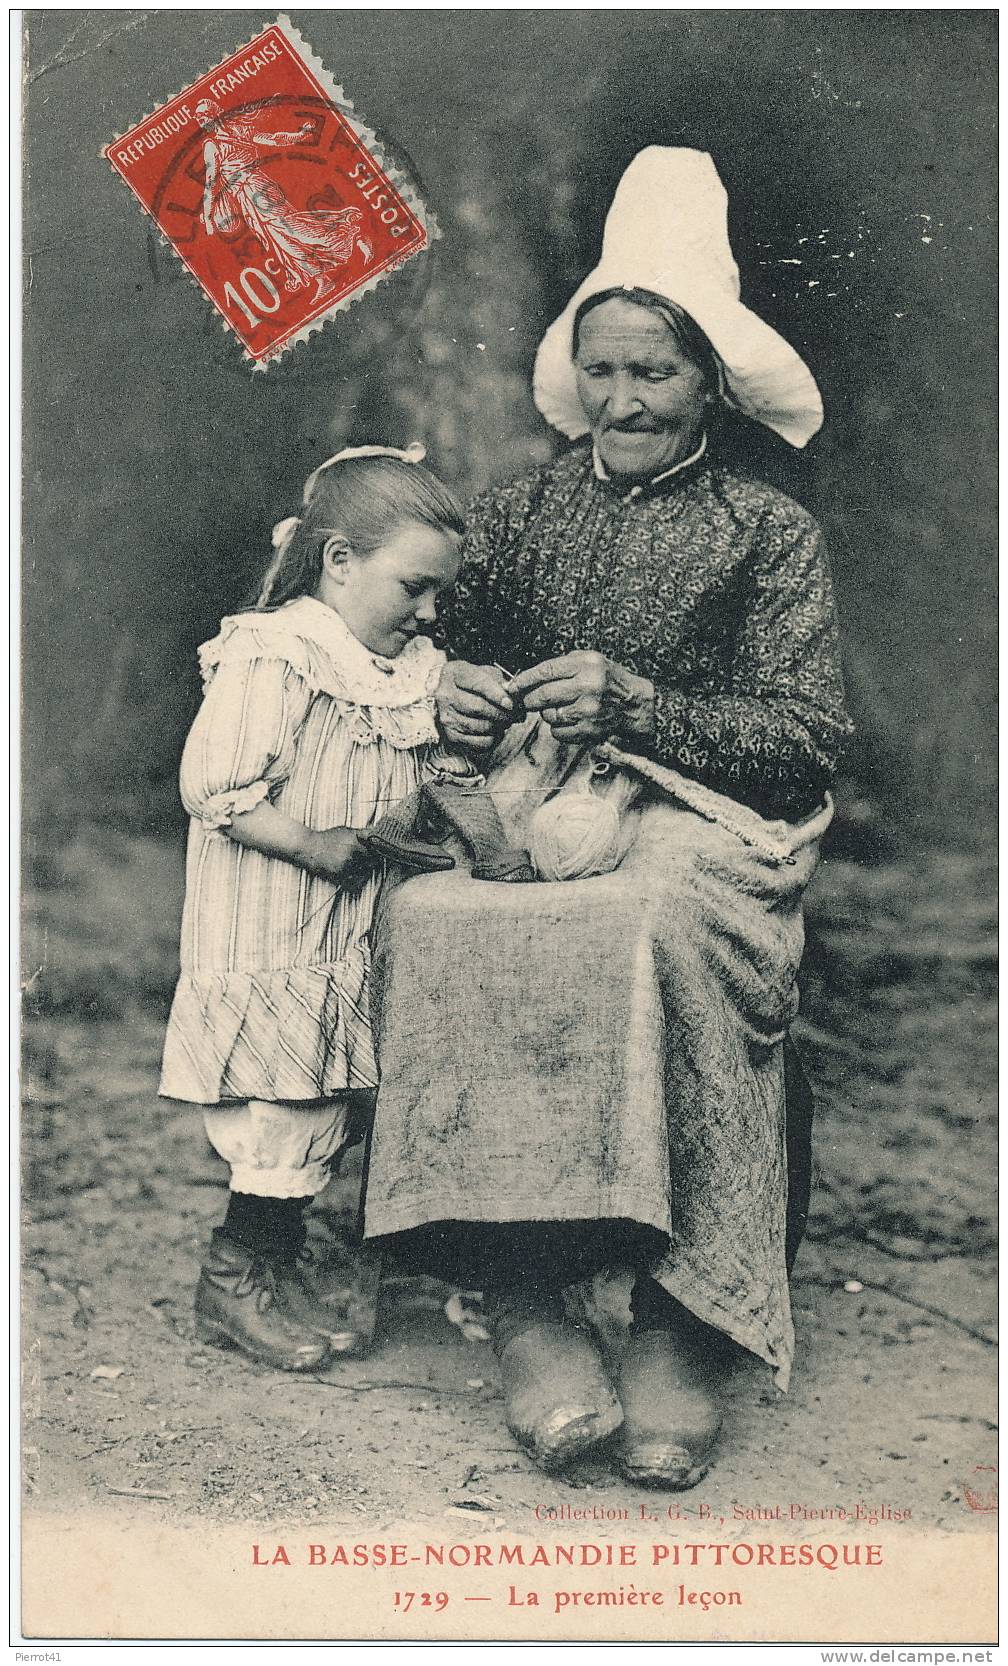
[{"x": 317, "y": 716}]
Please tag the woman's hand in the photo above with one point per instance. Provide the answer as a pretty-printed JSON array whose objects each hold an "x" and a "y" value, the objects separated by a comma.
[
  {"x": 585, "y": 697},
  {"x": 474, "y": 706}
]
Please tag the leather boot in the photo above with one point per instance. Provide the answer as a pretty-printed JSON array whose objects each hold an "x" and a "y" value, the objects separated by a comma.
[
  {"x": 336, "y": 1300},
  {"x": 671, "y": 1386},
  {"x": 238, "y": 1305}
]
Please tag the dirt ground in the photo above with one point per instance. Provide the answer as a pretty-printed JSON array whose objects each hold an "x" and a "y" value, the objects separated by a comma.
[{"x": 893, "y": 1398}]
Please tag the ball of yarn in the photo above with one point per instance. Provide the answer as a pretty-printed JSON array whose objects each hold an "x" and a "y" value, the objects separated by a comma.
[{"x": 574, "y": 836}]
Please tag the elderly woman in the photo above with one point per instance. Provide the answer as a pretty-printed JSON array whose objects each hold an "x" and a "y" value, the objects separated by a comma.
[{"x": 591, "y": 1074}]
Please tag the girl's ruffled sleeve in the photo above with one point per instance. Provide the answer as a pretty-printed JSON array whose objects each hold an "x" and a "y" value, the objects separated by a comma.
[{"x": 242, "y": 744}]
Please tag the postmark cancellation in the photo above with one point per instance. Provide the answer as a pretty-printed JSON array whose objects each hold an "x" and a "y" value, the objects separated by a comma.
[{"x": 272, "y": 191}]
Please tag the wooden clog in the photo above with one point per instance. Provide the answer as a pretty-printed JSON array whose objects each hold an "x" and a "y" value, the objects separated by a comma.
[
  {"x": 670, "y": 1387},
  {"x": 558, "y": 1399}
]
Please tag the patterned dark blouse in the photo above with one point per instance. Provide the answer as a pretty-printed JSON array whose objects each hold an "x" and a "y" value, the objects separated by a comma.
[{"x": 714, "y": 587}]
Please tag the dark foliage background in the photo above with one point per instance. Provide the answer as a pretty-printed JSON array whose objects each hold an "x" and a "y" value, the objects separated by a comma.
[{"x": 858, "y": 151}]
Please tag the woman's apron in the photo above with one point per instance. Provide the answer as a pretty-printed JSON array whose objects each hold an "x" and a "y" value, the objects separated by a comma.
[{"x": 604, "y": 1048}]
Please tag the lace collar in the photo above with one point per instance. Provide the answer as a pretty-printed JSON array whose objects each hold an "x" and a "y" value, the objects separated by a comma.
[{"x": 322, "y": 649}]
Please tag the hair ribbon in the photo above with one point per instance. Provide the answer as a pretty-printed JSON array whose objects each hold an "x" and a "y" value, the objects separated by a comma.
[
  {"x": 414, "y": 453},
  {"x": 285, "y": 529}
]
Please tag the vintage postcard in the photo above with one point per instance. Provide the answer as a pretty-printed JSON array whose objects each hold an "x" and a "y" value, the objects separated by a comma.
[{"x": 508, "y": 948}]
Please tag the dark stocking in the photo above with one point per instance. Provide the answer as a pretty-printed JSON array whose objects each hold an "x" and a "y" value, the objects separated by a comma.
[{"x": 267, "y": 1226}]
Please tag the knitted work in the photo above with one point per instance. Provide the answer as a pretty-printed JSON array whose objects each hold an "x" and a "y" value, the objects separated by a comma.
[
  {"x": 396, "y": 837},
  {"x": 472, "y": 814},
  {"x": 432, "y": 809}
]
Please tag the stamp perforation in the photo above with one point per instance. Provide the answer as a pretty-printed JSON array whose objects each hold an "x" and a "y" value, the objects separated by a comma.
[{"x": 310, "y": 67}]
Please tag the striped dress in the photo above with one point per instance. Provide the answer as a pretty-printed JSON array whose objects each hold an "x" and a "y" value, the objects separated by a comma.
[{"x": 272, "y": 998}]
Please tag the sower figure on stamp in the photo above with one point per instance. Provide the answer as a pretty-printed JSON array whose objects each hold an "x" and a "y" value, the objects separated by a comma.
[
  {"x": 307, "y": 243},
  {"x": 593, "y": 1074}
]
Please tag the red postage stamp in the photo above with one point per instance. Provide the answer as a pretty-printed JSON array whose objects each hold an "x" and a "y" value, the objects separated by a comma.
[{"x": 273, "y": 192}]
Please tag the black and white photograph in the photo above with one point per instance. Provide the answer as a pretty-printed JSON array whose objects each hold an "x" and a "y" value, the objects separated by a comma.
[{"x": 508, "y": 832}]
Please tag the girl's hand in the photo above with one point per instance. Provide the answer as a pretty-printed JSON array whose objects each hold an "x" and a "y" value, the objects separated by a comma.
[
  {"x": 333, "y": 853},
  {"x": 337, "y": 854},
  {"x": 473, "y": 705},
  {"x": 585, "y": 697}
]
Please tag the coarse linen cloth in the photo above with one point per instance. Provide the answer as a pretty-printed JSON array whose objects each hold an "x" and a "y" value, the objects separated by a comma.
[
  {"x": 271, "y": 1003},
  {"x": 608, "y": 1048}
]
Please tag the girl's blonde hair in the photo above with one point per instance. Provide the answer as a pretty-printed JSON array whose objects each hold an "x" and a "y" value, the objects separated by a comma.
[{"x": 365, "y": 499}]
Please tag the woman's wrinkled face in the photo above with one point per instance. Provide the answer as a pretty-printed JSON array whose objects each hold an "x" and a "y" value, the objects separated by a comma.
[{"x": 644, "y": 397}]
